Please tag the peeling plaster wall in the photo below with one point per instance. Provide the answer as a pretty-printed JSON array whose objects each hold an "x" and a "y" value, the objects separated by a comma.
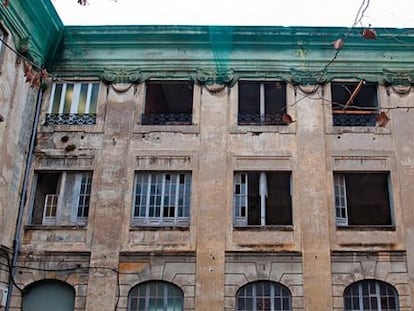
[{"x": 17, "y": 107}]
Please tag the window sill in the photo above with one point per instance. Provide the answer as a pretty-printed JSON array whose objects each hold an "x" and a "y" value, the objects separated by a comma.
[
  {"x": 158, "y": 228},
  {"x": 358, "y": 129},
  {"x": 55, "y": 227},
  {"x": 244, "y": 129},
  {"x": 366, "y": 228},
  {"x": 186, "y": 129},
  {"x": 265, "y": 228}
]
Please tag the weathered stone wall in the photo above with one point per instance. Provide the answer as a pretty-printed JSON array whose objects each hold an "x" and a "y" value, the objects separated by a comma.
[
  {"x": 390, "y": 267},
  {"x": 72, "y": 268},
  {"x": 285, "y": 269}
]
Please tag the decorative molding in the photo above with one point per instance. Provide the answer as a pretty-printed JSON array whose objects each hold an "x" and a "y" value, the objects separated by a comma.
[
  {"x": 164, "y": 162},
  {"x": 360, "y": 163},
  {"x": 122, "y": 76},
  {"x": 401, "y": 78},
  {"x": 64, "y": 162},
  {"x": 303, "y": 77}
]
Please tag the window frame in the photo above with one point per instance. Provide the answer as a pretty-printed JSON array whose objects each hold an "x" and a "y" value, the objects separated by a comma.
[
  {"x": 65, "y": 99},
  {"x": 349, "y": 113},
  {"x": 241, "y": 198},
  {"x": 54, "y": 203},
  {"x": 249, "y": 291},
  {"x": 151, "y": 179},
  {"x": 262, "y": 104},
  {"x": 349, "y": 296},
  {"x": 342, "y": 211},
  {"x": 165, "y": 118},
  {"x": 143, "y": 291}
]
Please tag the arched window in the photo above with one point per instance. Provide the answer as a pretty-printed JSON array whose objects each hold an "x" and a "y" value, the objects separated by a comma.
[
  {"x": 370, "y": 295},
  {"x": 155, "y": 295},
  {"x": 49, "y": 295},
  {"x": 263, "y": 296}
]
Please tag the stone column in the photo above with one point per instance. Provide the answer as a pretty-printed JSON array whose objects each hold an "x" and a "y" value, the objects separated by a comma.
[
  {"x": 211, "y": 186},
  {"x": 314, "y": 210},
  {"x": 402, "y": 133},
  {"x": 110, "y": 182}
]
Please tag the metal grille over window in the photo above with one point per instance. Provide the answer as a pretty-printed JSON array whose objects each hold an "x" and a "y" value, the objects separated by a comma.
[
  {"x": 162, "y": 199},
  {"x": 262, "y": 103},
  {"x": 263, "y": 296},
  {"x": 73, "y": 104},
  {"x": 370, "y": 295}
]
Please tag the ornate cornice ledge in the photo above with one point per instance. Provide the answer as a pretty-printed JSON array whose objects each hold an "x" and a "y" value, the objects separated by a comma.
[{"x": 35, "y": 27}]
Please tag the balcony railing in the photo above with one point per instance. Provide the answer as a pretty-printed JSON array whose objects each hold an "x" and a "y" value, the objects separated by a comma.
[
  {"x": 71, "y": 118},
  {"x": 258, "y": 119},
  {"x": 167, "y": 119},
  {"x": 357, "y": 118}
]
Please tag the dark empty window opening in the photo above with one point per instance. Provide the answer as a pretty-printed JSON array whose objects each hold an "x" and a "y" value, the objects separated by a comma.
[
  {"x": 354, "y": 103},
  {"x": 362, "y": 199},
  {"x": 262, "y": 103},
  {"x": 262, "y": 199},
  {"x": 168, "y": 103}
]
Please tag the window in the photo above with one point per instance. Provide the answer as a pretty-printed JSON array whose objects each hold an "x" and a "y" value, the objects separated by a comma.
[
  {"x": 263, "y": 296},
  {"x": 362, "y": 199},
  {"x": 262, "y": 103},
  {"x": 168, "y": 103},
  {"x": 156, "y": 295},
  {"x": 262, "y": 198},
  {"x": 162, "y": 199},
  {"x": 354, "y": 103},
  {"x": 49, "y": 295},
  {"x": 73, "y": 103},
  {"x": 370, "y": 295},
  {"x": 61, "y": 198},
  {"x": 2, "y": 38}
]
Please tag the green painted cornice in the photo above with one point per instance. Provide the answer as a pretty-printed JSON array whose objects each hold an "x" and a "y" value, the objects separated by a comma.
[
  {"x": 211, "y": 54},
  {"x": 35, "y": 27}
]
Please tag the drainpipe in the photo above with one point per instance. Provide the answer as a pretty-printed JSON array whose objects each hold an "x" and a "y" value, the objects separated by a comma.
[{"x": 23, "y": 195}]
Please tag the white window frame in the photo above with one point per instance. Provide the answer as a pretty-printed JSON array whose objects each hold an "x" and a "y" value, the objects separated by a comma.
[
  {"x": 341, "y": 208},
  {"x": 75, "y": 97},
  {"x": 148, "y": 199}
]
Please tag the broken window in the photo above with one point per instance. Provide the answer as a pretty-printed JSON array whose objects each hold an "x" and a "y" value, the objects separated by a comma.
[
  {"x": 354, "y": 103},
  {"x": 362, "y": 199},
  {"x": 168, "y": 103},
  {"x": 262, "y": 199},
  {"x": 61, "y": 198},
  {"x": 73, "y": 103},
  {"x": 162, "y": 199},
  {"x": 262, "y": 103},
  {"x": 263, "y": 296},
  {"x": 370, "y": 295}
]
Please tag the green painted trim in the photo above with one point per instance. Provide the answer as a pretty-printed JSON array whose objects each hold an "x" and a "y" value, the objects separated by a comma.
[
  {"x": 207, "y": 54},
  {"x": 221, "y": 54},
  {"x": 35, "y": 27}
]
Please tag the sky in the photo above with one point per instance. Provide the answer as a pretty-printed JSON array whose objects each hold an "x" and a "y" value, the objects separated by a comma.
[{"x": 380, "y": 13}]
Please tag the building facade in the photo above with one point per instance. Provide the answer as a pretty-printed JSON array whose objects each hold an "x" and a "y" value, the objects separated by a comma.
[{"x": 205, "y": 168}]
